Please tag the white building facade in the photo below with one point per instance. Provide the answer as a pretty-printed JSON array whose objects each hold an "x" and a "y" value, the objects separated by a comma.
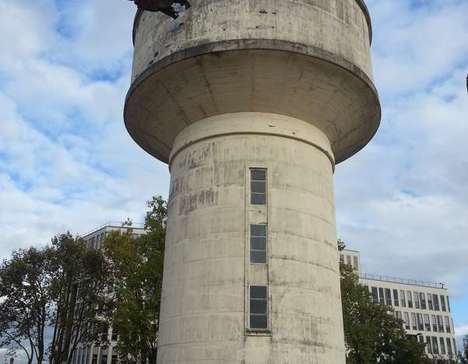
[{"x": 423, "y": 307}]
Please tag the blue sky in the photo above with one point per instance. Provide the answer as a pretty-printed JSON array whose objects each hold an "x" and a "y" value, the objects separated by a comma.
[{"x": 67, "y": 162}]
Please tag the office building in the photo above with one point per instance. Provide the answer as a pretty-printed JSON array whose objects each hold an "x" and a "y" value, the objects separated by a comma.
[{"x": 423, "y": 307}]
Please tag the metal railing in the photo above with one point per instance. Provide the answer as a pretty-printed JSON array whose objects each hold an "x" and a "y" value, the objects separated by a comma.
[{"x": 411, "y": 282}]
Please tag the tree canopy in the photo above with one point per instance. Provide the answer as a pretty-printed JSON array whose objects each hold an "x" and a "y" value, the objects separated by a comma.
[{"x": 137, "y": 270}]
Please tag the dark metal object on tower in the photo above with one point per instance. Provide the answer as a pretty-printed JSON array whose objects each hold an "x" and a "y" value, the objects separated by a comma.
[{"x": 171, "y": 8}]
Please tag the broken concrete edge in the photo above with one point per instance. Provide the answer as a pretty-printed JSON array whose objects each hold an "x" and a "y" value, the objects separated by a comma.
[
  {"x": 361, "y": 3},
  {"x": 250, "y": 44}
]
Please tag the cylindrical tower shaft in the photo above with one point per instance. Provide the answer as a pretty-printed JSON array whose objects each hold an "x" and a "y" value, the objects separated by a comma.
[
  {"x": 214, "y": 254},
  {"x": 252, "y": 103}
]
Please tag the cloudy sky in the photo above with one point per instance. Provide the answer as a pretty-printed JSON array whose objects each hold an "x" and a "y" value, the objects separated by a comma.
[{"x": 67, "y": 163}]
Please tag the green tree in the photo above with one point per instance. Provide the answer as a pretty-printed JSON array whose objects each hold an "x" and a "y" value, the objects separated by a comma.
[
  {"x": 25, "y": 304},
  {"x": 80, "y": 288},
  {"x": 372, "y": 333},
  {"x": 137, "y": 269}
]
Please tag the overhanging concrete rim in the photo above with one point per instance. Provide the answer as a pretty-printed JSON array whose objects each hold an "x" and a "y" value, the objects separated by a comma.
[
  {"x": 254, "y": 44},
  {"x": 361, "y": 3}
]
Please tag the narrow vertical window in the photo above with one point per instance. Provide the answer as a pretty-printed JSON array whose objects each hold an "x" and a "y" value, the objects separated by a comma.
[
  {"x": 403, "y": 299},
  {"x": 448, "y": 329},
  {"x": 434, "y": 323},
  {"x": 427, "y": 322},
  {"x": 429, "y": 344},
  {"x": 409, "y": 296},
  {"x": 396, "y": 301},
  {"x": 429, "y": 301},
  {"x": 258, "y": 186},
  {"x": 258, "y": 243},
  {"x": 442, "y": 346},
  {"x": 442, "y": 302},
  {"x": 375, "y": 295},
  {"x": 258, "y": 307},
  {"x": 435, "y": 298},
  {"x": 414, "y": 322},
  {"x": 435, "y": 346},
  {"x": 449, "y": 347},
  {"x": 422, "y": 297},
  {"x": 388, "y": 297},
  {"x": 448, "y": 303},
  {"x": 406, "y": 318},
  {"x": 416, "y": 299},
  {"x": 381, "y": 296}
]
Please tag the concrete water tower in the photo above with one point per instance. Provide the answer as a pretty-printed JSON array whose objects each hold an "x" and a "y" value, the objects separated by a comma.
[{"x": 252, "y": 103}]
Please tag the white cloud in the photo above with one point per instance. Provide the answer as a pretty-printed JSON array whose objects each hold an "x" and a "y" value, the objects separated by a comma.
[{"x": 66, "y": 160}]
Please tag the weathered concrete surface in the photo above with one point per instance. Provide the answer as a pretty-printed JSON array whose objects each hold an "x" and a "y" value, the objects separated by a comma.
[
  {"x": 284, "y": 85},
  {"x": 308, "y": 59},
  {"x": 207, "y": 268}
]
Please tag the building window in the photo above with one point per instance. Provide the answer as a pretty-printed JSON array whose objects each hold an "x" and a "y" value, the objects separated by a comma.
[
  {"x": 442, "y": 301},
  {"x": 422, "y": 298},
  {"x": 258, "y": 186},
  {"x": 356, "y": 263},
  {"x": 413, "y": 320},
  {"x": 258, "y": 307},
  {"x": 427, "y": 322},
  {"x": 114, "y": 359},
  {"x": 403, "y": 299},
  {"x": 435, "y": 298},
  {"x": 448, "y": 329},
  {"x": 258, "y": 243},
  {"x": 381, "y": 296},
  {"x": 435, "y": 346},
  {"x": 448, "y": 303},
  {"x": 375, "y": 295},
  {"x": 429, "y": 301},
  {"x": 409, "y": 297},
  {"x": 396, "y": 301},
  {"x": 406, "y": 319},
  {"x": 434, "y": 323},
  {"x": 442, "y": 346},
  {"x": 440, "y": 323},
  {"x": 104, "y": 358},
  {"x": 388, "y": 297},
  {"x": 449, "y": 347},
  {"x": 420, "y": 322},
  {"x": 428, "y": 345},
  {"x": 416, "y": 300}
]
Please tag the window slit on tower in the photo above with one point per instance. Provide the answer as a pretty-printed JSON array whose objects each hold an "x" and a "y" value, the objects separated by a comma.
[
  {"x": 258, "y": 186},
  {"x": 258, "y": 307},
  {"x": 258, "y": 243}
]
